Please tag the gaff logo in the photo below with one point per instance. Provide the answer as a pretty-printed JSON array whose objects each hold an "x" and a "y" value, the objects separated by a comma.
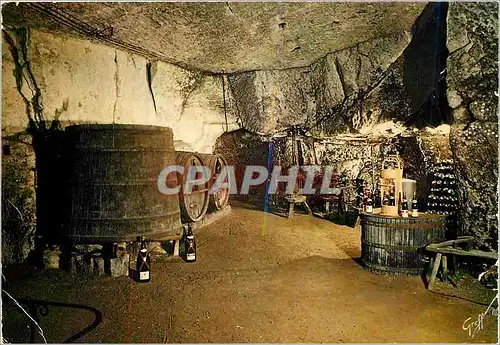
[{"x": 254, "y": 175}]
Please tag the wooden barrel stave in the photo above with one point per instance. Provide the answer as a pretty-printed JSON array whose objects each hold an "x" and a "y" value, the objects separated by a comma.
[
  {"x": 112, "y": 189},
  {"x": 194, "y": 205},
  {"x": 220, "y": 199}
]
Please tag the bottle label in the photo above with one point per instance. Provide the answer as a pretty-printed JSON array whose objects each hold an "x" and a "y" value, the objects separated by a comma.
[
  {"x": 369, "y": 209},
  {"x": 144, "y": 275},
  {"x": 414, "y": 213},
  {"x": 191, "y": 256},
  {"x": 404, "y": 213}
]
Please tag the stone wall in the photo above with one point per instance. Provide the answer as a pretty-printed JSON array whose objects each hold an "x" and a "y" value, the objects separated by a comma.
[
  {"x": 347, "y": 90},
  {"x": 83, "y": 82},
  {"x": 18, "y": 198},
  {"x": 472, "y": 81}
]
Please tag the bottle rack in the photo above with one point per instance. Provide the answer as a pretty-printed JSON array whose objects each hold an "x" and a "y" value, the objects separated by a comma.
[{"x": 442, "y": 198}]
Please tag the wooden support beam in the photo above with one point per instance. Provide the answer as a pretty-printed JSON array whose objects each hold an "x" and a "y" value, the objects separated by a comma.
[
  {"x": 444, "y": 263},
  {"x": 461, "y": 252},
  {"x": 435, "y": 269},
  {"x": 177, "y": 247},
  {"x": 461, "y": 239},
  {"x": 444, "y": 248},
  {"x": 357, "y": 225},
  {"x": 291, "y": 209},
  {"x": 309, "y": 211}
]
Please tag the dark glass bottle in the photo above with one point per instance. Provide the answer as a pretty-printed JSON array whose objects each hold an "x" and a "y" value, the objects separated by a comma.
[
  {"x": 414, "y": 205},
  {"x": 376, "y": 198},
  {"x": 190, "y": 246},
  {"x": 369, "y": 204},
  {"x": 404, "y": 206},
  {"x": 392, "y": 198},
  {"x": 143, "y": 263},
  {"x": 405, "y": 202},
  {"x": 386, "y": 199}
]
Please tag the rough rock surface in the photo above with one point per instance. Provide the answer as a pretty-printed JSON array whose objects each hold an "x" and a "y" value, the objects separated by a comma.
[
  {"x": 18, "y": 198},
  {"x": 13, "y": 106},
  {"x": 270, "y": 101},
  {"x": 344, "y": 91},
  {"x": 473, "y": 96},
  {"x": 83, "y": 82},
  {"x": 226, "y": 37}
]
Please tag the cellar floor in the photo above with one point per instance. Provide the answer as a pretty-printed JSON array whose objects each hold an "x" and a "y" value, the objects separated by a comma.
[{"x": 258, "y": 278}]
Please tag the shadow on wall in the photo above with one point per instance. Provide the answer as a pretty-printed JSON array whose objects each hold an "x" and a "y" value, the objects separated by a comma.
[
  {"x": 18, "y": 198},
  {"x": 242, "y": 148},
  {"x": 51, "y": 182},
  {"x": 425, "y": 68}
]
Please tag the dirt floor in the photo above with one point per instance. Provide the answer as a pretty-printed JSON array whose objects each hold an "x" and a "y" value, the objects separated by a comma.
[{"x": 258, "y": 278}]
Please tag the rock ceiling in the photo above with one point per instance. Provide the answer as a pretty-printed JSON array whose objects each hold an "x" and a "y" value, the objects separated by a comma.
[{"x": 218, "y": 37}]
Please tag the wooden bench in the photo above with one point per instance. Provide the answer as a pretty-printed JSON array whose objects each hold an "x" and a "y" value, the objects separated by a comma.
[{"x": 449, "y": 247}]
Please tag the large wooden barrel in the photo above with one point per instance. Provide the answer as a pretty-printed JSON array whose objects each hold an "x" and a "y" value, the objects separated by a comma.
[
  {"x": 395, "y": 245},
  {"x": 215, "y": 163},
  {"x": 193, "y": 205},
  {"x": 113, "y": 187}
]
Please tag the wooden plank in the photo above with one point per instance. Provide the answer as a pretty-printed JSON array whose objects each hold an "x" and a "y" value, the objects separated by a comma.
[
  {"x": 462, "y": 239},
  {"x": 357, "y": 225},
  {"x": 290, "y": 209},
  {"x": 308, "y": 208},
  {"x": 445, "y": 265},
  {"x": 461, "y": 252},
  {"x": 177, "y": 247},
  {"x": 434, "y": 271}
]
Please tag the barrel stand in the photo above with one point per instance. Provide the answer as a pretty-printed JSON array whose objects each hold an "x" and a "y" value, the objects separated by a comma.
[
  {"x": 297, "y": 199},
  {"x": 449, "y": 247}
]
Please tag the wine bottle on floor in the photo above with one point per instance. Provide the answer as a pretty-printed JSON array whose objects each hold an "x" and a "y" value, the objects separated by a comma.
[
  {"x": 190, "y": 246},
  {"x": 143, "y": 263}
]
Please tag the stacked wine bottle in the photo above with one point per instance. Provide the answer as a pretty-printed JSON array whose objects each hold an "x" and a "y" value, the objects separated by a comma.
[{"x": 442, "y": 198}]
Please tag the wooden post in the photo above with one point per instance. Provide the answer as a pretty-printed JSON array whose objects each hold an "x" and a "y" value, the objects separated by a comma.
[
  {"x": 309, "y": 211},
  {"x": 357, "y": 225},
  {"x": 290, "y": 210},
  {"x": 434, "y": 270},
  {"x": 176, "y": 247},
  {"x": 445, "y": 265}
]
